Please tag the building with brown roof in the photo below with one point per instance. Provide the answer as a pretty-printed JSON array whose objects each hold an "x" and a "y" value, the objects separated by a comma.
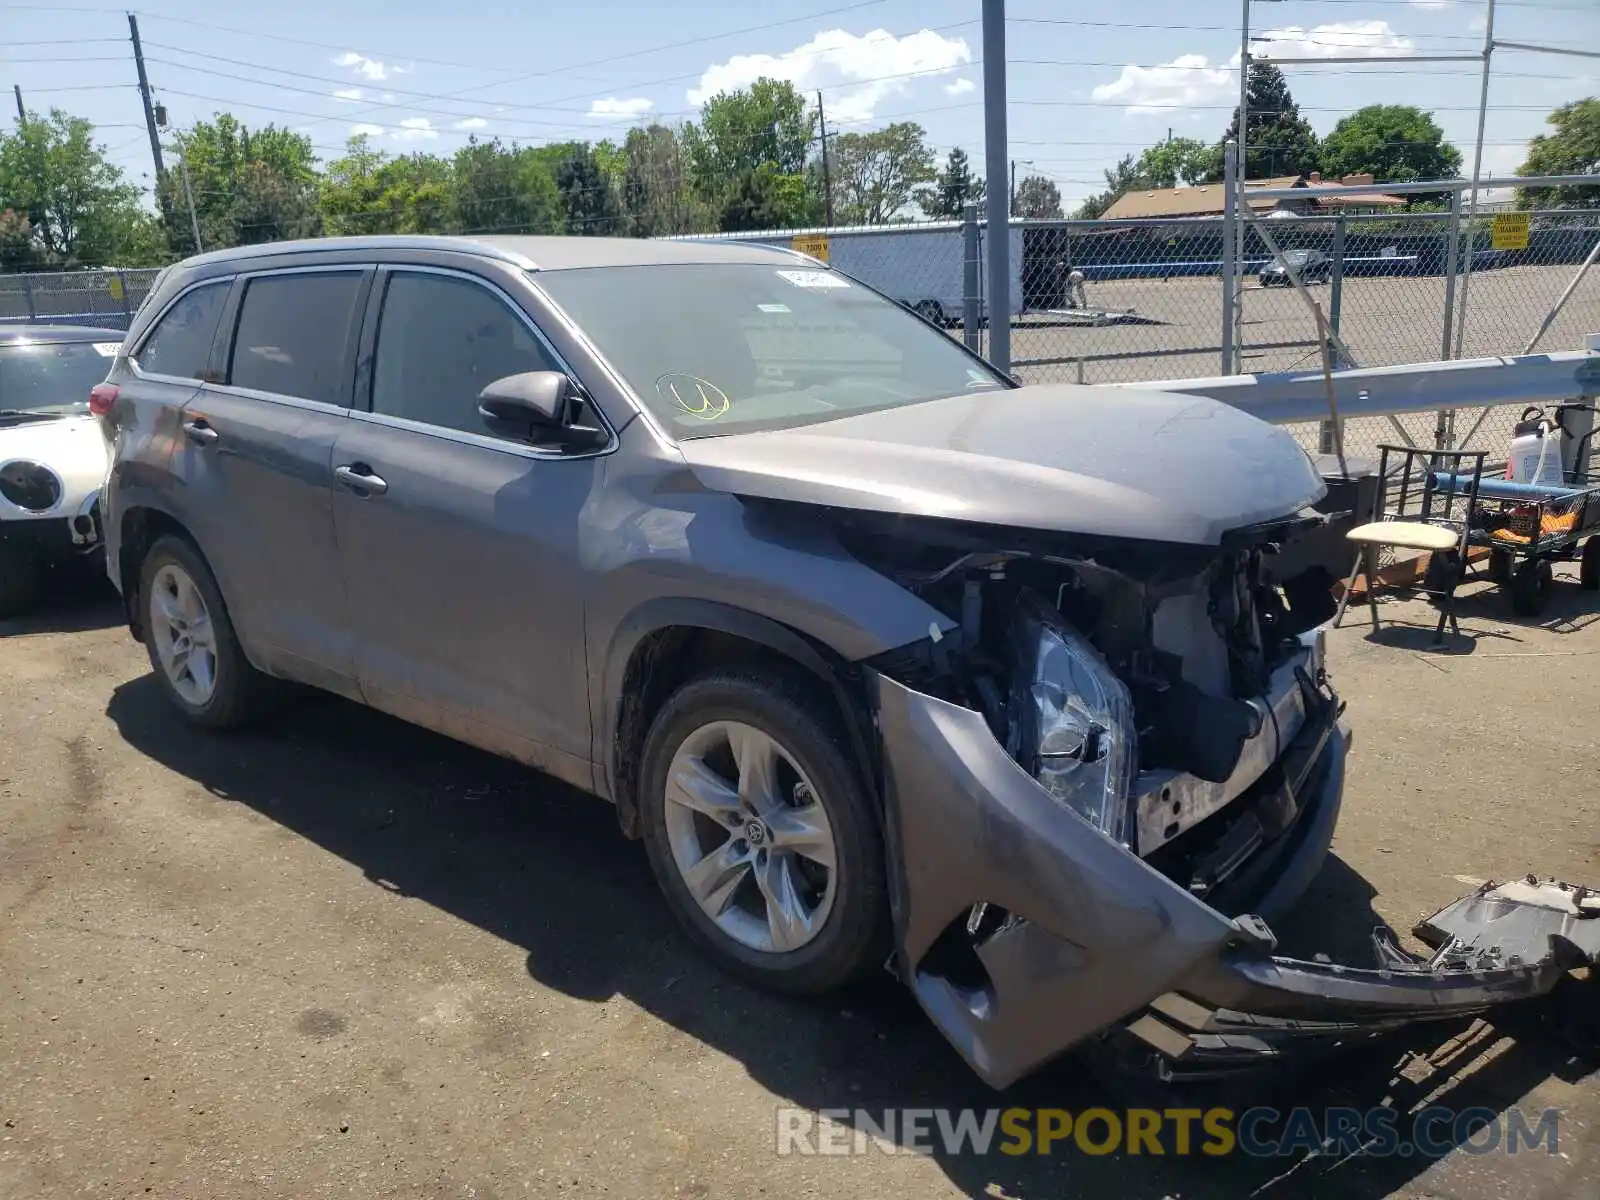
[{"x": 1206, "y": 200}]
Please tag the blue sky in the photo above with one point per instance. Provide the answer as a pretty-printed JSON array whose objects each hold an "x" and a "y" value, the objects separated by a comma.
[{"x": 1088, "y": 83}]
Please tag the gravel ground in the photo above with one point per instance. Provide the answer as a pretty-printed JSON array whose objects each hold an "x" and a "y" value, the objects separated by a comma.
[{"x": 338, "y": 956}]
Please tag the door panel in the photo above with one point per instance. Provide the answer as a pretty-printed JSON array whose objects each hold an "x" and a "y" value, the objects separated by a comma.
[
  {"x": 464, "y": 589},
  {"x": 460, "y": 550},
  {"x": 255, "y": 451}
]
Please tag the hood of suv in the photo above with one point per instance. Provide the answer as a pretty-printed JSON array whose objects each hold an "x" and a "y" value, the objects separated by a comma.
[{"x": 1104, "y": 461}]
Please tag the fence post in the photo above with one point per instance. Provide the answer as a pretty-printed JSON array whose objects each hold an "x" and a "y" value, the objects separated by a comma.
[
  {"x": 1230, "y": 188},
  {"x": 1444, "y": 428},
  {"x": 971, "y": 279},
  {"x": 1329, "y": 440},
  {"x": 27, "y": 293}
]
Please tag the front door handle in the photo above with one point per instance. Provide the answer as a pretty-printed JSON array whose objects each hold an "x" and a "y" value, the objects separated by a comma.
[
  {"x": 358, "y": 477},
  {"x": 200, "y": 432}
]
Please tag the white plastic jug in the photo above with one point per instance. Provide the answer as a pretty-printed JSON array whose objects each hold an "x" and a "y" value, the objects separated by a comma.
[{"x": 1535, "y": 455}]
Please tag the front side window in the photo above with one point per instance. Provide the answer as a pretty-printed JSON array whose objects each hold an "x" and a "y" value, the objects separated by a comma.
[
  {"x": 293, "y": 333},
  {"x": 732, "y": 348},
  {"x": 52, "y": 377},
  {"x": 180, "y": 344},
  {"x": 441, "y": 340}
]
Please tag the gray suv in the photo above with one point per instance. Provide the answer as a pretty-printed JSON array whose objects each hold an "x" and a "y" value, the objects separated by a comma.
[{"x": 887, "y": 659}]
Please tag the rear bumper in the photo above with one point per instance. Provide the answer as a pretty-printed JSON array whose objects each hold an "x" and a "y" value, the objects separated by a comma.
[{"x": 1023, "y": 930}]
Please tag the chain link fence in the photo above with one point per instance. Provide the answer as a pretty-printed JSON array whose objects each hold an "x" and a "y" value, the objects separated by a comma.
[{"x": 105, "y": 298}]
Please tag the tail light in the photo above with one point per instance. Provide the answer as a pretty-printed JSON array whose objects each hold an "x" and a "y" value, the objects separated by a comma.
[{"x": 102, "y": 397}]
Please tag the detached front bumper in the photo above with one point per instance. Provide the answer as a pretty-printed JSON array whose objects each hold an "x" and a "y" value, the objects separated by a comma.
[{"x": 1023, "y": 930}]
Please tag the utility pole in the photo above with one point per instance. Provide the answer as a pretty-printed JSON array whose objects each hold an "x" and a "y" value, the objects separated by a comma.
[
  {"x": 827, "y": 172},
  {"x": 22, "y": 113},
  {"x": 144, "y": 94},
  {"x": 998, "y": 253}
]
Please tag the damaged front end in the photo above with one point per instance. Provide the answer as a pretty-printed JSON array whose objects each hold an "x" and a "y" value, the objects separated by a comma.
[{"x": 1101, "y": 780}]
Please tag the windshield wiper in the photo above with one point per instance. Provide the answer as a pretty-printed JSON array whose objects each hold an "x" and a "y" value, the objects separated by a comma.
[{"x": 44, "y": 414}]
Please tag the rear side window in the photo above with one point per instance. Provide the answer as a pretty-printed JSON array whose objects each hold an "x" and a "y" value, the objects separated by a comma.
[
  {"x": 180, "y": 344},
  {"x": 441, "y": 341},
  {"x": 293, "y": 333}
]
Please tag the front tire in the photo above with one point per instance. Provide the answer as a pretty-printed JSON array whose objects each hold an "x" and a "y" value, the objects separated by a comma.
[
  {"x": 190, "y": 639},
  {"x": 1531, "y": 585},
  {"x": 761, "y": 833}
]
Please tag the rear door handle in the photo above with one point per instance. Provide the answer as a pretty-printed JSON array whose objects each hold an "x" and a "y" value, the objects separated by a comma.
[
  {"x": 200, "y": 432},
  {"x": 358, "y": 477}
]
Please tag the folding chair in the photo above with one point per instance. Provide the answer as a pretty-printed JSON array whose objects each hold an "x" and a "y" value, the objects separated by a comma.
[{"x": 1425, "y": 500}]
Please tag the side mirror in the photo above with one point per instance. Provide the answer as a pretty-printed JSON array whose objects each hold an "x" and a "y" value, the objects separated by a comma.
[{"x": 537, "y": 406}]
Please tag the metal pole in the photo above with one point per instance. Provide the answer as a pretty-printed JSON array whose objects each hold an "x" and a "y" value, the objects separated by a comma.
[
  {"x": 1332, "y": 437},
  {"x": 971, "y": 279},
  {"x": 1230, "y": 190},
  {"x": 22, "y": 113},
  {"x": 1477, "y": 170},
  {"x": 188, "y": 193},
  {"x": 1244, "y": 96},
  {"x": 994, "y": 151},
  {"x": 1555, "y": 309},
  {"x": 1451, "y": 263},
  {"x": 827, "y": 174}
]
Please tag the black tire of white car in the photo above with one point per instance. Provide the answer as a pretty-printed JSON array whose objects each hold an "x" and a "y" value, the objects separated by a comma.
[
  {"x": 21, "y": 571},
  {"x": 855, "y": 937},
  {"x": 241, "y": 694}
]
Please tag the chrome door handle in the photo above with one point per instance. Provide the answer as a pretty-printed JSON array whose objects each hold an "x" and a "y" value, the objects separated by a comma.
[
  {"x": 358, "y": 477},
  {"x": 199, "y": 432}
]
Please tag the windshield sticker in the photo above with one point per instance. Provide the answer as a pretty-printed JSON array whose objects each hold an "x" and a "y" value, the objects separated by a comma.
[
  {"x": 813, "y": 279},
  {"x": 694, "y": 397},
  {"x": 107, "y": 349},
  {"x": 773, "y": 308}
]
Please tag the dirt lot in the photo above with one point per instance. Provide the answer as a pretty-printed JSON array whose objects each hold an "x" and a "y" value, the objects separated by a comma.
[{"x": 340, "y": 957}]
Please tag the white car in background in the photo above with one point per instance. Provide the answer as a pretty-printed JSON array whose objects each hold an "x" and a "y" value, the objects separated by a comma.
[{"x": 52, "y": 452}]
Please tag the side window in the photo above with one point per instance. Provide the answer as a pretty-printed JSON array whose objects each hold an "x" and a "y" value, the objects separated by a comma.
[
  {"x": 441, "y": 341},
  {"x": 180, "y": 344},
  {"x": 292, "y": 334}
]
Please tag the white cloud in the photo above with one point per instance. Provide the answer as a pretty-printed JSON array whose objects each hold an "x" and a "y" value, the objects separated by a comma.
[
  {"x": 365, "y": 130},
  {"x": 1369, "y": 39},
  {"x": 1187, "y": 80},
  {"x": 367, "y": 68},
  {"x": 861, "y": 72},
  {"x": 960, "y": 87},
  {"x": 414, "y": 129},
  {"x": 347, "y": 94},
  {"x": 471, "y": 123},
  {"x": 613, "y": 109}
]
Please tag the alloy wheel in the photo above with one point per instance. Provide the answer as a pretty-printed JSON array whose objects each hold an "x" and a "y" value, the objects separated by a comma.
[{"x": 183, "y": 635}]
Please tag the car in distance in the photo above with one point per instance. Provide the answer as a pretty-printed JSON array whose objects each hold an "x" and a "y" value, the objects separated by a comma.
[
  {"x": 885, "y": 657},
  {"x": 1313, "y": 266},
  {"x": 52, "y": 454}
]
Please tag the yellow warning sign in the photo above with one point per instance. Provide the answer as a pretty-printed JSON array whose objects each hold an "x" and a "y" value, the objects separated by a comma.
[
  {"x": 1510, "y": 231},
  {"x": 114, "y": 286},
  {"x": 814, "y": 244}
]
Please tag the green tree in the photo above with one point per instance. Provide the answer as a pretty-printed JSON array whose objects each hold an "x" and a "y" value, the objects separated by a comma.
[
  {"x": 1394, "y": 143},
  {"x": 655, "y": 185},
  {"x": 875, "y": 174},
  {"x": 248, "y": 185},
  {"x": 953, "y": 187},
  {"x": 1280, "y": 141},
  {"x": 506, "y": 189},
  {"x": 1177, "y": 160},
  {"x": 78, "y": 207},
  {"x": 766, "y": 198},
  {"x": 1573, "y": 149},
  {"x": 767, "y": 123},
  {"x": 591, "y": 205},
  {"x": 1037, "y": 197},
  {"x": 18, "y": 251}
]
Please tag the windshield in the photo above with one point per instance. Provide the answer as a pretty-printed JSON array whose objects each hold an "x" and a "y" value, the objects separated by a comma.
[
  {"x": 731, "y": 348},
  {"x": 1298, "y": 257},
  {"x": 52, "y": 377}
]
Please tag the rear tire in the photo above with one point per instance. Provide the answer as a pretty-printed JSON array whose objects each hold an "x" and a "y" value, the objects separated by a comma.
[
  {"x": 1530, "y": 587},
  {"x": 1589, "y": 565},
  {"x": 21, "y": 573},
  {"x": 1500, "y": 567},
  {"x": 745, "y": 826},
  {"x": 193, "y": 649}
]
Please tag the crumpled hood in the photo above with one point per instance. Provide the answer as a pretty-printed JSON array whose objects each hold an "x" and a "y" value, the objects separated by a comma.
[
  {"x": 73, "y": 447},
  {"x": 1104, "y": 461}
]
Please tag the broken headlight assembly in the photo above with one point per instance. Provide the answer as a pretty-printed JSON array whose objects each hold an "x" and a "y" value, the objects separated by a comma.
[{"x": 1070, "y": 719}]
